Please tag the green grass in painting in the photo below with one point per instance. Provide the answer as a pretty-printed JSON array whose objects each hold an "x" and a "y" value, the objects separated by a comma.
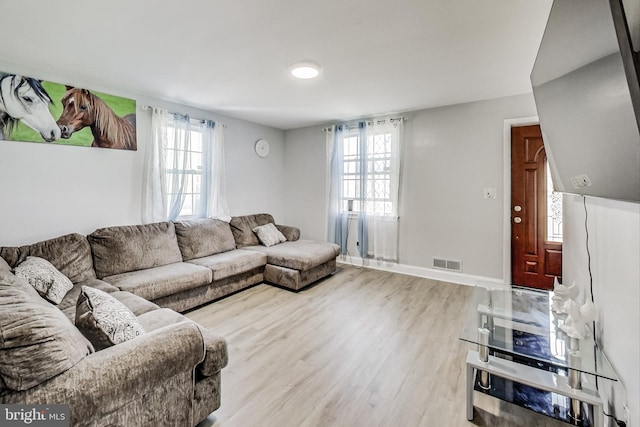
[{"x": 120, "y": 106}]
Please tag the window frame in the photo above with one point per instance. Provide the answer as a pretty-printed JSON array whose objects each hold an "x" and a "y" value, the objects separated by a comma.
[{"x": 350, "y": 179}]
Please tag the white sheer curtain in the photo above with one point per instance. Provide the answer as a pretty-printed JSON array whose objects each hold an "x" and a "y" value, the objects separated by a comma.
[
  {"x": 214, "y": 199},
  {"x": 154, "y": 189},
  {"x": 371, "y": 183},
  {"x": 382, "y": 181},
  {"x": 168, "y": 165}
]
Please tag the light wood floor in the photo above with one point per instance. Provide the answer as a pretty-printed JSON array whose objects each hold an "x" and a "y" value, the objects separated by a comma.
[{"x": 361, "y": 348}]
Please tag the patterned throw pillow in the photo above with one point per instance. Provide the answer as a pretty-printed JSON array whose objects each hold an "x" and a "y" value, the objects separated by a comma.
[
  {"x": 104, "y": 320},
  {"x": 269, "y": 235},
  {"x": 45, "y": 278}
]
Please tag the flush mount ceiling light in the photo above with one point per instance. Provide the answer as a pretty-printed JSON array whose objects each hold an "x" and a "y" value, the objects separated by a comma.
[{"x": 305, "y": 70}]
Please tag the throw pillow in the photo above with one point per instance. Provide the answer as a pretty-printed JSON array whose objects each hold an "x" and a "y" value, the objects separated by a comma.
[
  {"x": 269, "y": 235},
  {"x": 37, "y": 341},
  {"x": 104, "y": 320},
  {"x": 45, "y": 278}
]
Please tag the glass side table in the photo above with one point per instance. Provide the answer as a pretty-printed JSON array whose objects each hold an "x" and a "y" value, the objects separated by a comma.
[{"x": 524, "y": 357}]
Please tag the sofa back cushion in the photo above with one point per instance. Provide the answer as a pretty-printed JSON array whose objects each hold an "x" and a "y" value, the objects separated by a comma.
[
  {"x": 202, "y": 237},
  {"x": 242, "y": 228},
  {"x": 4, "y": 267},
  {"x": 127, "y": 248},
  {"x": 70, "y": 254},
  {"x": 37, "y": 341}
]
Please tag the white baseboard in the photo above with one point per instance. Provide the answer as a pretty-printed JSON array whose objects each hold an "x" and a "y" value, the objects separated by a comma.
[{"x": 427, "y": 273}]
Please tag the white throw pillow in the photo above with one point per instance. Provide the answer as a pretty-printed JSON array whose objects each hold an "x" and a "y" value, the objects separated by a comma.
[
  {"x": 45, "y": 278},
  {"x": 104, "y": 320},
  {"x": 269, "y": 235}
]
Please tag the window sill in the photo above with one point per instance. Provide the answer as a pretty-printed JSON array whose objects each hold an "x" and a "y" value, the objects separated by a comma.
[{"x": 354, "y": 215}]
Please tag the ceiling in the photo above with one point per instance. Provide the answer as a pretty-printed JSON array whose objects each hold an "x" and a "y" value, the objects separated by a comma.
[{"x": 232, "y": 56}]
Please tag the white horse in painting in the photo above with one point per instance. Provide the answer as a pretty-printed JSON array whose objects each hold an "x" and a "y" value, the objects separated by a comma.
[{"x": 24, "y": 99}]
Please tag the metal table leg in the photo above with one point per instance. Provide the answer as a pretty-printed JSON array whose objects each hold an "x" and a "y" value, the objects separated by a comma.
[{"x": 470, "y": 379}]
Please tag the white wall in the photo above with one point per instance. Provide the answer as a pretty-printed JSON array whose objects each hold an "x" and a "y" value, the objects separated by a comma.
[
  {"x": 449, "y": 155},
  {"x": 48, "y": 190},
  {"x": 452, "y": 154},
  {"x": 306, "y": 181},
  {"x": 614, "y": 243}
]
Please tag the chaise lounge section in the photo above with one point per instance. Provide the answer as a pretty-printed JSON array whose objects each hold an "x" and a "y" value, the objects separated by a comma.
[{"x": 293, "y": 264}]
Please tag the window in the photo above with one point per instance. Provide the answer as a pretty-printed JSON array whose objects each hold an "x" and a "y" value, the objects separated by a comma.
[
  {"x": 369, "y": 191},
  {"x": 184, "y": 167},
  {"x": 351, "y": 173},
  {"x": 554, "y": 211},
  {"x": 364, "y": 178}
]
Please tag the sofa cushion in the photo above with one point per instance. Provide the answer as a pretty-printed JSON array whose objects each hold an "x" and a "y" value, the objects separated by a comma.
[
  {"x": 299, "y": 255},
  {"x": 269, "y": 235},
  {"x": 70, "y": 254},
  {"x": 37, "y": 341},
  {"x": 161, "y": 318},
  {"x": 104, "y": 320},
  {"x": 158, "y": 282},
  {"x": 229, "y": 264},
  {"x": 242, "y": 228},
  {"x": 11, "y": 255},
  {"x": 4, "y": 267},
  {"x": 202, "y": 237},
  {"x": 135, "y": 303},
  {"x": 45, "y": 278},
  {"x": 122, "y": 249}
]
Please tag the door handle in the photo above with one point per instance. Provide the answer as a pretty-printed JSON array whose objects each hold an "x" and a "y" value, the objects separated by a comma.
[{"x": 517, "y": 220}]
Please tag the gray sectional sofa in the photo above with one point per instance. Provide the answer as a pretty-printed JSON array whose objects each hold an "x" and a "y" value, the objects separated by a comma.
[{"x": 171, "y": 374}]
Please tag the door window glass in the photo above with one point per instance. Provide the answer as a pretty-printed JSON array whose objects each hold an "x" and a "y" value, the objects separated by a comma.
[{"x": 554, "y": 211}]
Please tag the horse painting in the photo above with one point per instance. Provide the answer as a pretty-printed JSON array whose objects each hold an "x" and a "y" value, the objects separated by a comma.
[
  {"x": 23, "y": 99},
  {"x": 81, "y": 108}
]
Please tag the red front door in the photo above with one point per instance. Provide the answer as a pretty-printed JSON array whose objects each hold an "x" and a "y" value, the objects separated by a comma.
[{"x": 535, "y": 260}]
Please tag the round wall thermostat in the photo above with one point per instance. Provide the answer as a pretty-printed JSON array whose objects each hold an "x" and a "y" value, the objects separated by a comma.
[{"x": 262, "y": 147}]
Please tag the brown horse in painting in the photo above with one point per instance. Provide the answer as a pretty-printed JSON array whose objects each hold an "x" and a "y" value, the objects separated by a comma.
[{"x": 82, "y": 108}]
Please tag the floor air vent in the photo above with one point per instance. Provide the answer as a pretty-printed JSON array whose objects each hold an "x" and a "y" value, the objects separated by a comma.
[{"x": 447, "y": 264}]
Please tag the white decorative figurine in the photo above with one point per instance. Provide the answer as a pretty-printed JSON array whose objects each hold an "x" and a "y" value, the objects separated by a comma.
[
  {"x": 561, "y": 294},
  {"x": 576, "y": 322}
]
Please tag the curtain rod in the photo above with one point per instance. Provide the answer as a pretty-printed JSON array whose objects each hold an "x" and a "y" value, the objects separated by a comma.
[
  {"x": 149, "y": 107},
  {"x": 371, "y": 121}
]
